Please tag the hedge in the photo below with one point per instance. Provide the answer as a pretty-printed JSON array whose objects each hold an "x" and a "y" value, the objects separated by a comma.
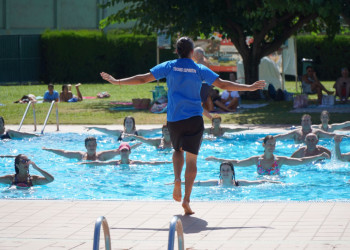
[
  {"x": 329, "y": 56},
  {"x": 79, "y": 56}
]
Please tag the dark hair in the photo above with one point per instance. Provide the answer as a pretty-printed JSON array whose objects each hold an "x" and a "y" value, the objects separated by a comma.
[
  {"x": 17, "y": 159},
  {"x": 325, "y": 112},
  {"x": 268, "y": 137},
  {"x": 90, "y": 138},
  {"x": 216, "y": 117},
  {"x": 305, "y": 115},
  {"x": 309, "y": 67},
  {"x": 2, "y": 119},
  {"x": 64, "y": 86},
  {"x": 233, "y": 170},
  {"x": 50, "y": 85},
  {"x": 133, "y": 119},
  {"x": 184, "y": 46}
]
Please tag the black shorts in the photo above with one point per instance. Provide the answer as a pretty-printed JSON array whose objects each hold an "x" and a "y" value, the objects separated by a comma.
[{"x": 187, "y": 134}]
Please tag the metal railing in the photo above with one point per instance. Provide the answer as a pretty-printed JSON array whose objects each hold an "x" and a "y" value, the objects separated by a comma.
[
  {"x": 48, "y": 114},
  {"x": 30, "y": 103},
  {"x": 102, "y": 220},
  {"x": 175, "y": 224}
]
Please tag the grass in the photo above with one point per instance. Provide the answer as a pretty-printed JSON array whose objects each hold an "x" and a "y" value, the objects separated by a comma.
[{"x": 96, "y": 111}]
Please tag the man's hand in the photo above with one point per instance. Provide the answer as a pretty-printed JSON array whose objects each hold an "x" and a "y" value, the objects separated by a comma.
[{"x": 257, "y": 85}]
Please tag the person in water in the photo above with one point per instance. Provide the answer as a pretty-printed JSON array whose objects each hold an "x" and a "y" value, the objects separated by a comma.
[
  {"x": 325, "y": 126},
  {"x": 22, "y": 178},
  {"x": 10, "y": 134},
  {"x": 227, "y": 178},
  {"x": 342, "y": 157},
  {"x": 125, "y": 151},
  {"x": 129, "y": 128},
  {"x": 268, "y": 163},
  {"x": 311, "y": 148},
  {"x": 298, "y": 135},
  {"x": 90, "y": 154},
  {"x": 217, "y": 130},
  {"x": 161, "y": 143}
]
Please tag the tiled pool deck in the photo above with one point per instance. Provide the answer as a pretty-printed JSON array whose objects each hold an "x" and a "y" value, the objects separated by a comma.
[{"x": 57, "y": 224}]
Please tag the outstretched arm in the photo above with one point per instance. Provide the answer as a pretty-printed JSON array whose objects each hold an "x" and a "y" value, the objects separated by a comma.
[
  {"x": 137, "y": 79},
  {"x": 114, "y": 132},
  {"x": 143, "y": 132},
  {"x": 151, "y": 141},
  {"x": 304, "y": 160},
  {"x": 338, "y": 154},
  {"x": 16, "y": 134},
  {"x": 99, "y": 163},
  {"x": 289, "y": 135},
  {"x": 69, "y": 154},
  {"x": 233, "y": 86},
  {"x": 323, "y": 134},
  {"x": 336, "y": 126},
  {"x": 7, "y": 156},
  {"x": 242, "y": 163},
  {"x": 151, "y": 162},
  {"x": 248, "y": 183},
  {"x": 39, "y": 180},
  {"x": 109, "y": 154},
  {"x": 6, "y": 179}
]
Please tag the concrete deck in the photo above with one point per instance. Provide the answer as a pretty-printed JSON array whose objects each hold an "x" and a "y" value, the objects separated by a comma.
[
  {"x": 49, "y": 224},
  {"x": 57, "y": 224}
]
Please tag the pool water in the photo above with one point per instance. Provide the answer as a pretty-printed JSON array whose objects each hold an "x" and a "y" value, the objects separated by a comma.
[{"x": 322, "y": 181}]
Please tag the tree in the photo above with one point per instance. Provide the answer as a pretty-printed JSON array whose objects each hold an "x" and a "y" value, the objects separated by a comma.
[{"x": 269, "y": 22}]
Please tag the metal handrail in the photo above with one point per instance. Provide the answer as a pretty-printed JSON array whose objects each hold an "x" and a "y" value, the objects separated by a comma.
[
  {"x": 25, "y": 114},
  {"x": 175, "y": 224},
  {"x": 48, "y": 114},
  {"x": 102, "y": 220}
]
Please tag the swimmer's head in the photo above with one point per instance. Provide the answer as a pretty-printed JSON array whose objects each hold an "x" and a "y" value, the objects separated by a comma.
[
  {"x": 124, "y": 149},
  {"x": 227, "y": 171},
  {"x": 21, "y": 163},
  {"x": 216, "y": 121},
  {"x": 269, "y": 143},
  {"x": 306, "y": 120},
  {"x": 90, "y": 144},
  {"x": 129, "y": 123},
  {"x": 2, "y": 125},
  {"x": 165, "y": 130},
  {"x": 198, "y": 53},
  {"x": 311, "y": 140},
  {"x": 324, "y": 116},
  {"x": 184, "y": 47}
]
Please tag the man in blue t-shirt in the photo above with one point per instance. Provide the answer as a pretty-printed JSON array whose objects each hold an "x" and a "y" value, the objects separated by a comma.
[
  {"x": 51, "y": 94},
  {"x": 184, "y": 114}
]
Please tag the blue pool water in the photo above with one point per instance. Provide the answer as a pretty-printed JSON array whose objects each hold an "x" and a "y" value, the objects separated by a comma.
[{"x": 327, "y": 180}]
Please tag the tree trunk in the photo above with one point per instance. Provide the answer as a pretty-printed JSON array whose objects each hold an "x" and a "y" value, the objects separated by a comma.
[{"x": 251, "y": 73}]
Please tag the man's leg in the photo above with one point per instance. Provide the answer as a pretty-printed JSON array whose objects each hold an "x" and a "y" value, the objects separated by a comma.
[
  {"x": 178, "y": 162},
  {"x": 190, "y": 175}
]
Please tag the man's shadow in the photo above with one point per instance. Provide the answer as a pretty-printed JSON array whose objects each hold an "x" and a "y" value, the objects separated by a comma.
[{"x": 191, "y": 225}]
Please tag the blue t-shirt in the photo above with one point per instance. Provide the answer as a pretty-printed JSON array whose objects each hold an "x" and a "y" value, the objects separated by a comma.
[
  {"x": 52, "y": 97},
  {"x": 184, "y": 79}
]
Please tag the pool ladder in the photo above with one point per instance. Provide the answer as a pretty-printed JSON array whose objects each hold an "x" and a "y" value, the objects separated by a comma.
[
  {"x": 175, "y": 225},
  {"x": 47, "y": 116}
]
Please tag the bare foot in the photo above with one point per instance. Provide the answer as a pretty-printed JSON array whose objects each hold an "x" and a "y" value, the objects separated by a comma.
[
  {"x": 77, "y": 85},
  {"x": 187, "y": 208},
  {"x": 177, "y": 190}
]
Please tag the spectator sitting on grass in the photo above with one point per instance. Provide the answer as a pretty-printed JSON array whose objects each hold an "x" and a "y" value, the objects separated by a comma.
[{"x": 51, "y": 94}]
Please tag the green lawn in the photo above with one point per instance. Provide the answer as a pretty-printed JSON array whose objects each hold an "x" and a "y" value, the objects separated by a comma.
[{"x": 96, "y": 111}]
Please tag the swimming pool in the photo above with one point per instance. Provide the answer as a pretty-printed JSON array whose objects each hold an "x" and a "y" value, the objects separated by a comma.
[{"x": 323, "y": 181}]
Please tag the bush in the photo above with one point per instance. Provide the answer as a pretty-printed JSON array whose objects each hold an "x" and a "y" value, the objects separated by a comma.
[
  {"x": 79, "y": 56},
  {"x": 329, "y": 56}
]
